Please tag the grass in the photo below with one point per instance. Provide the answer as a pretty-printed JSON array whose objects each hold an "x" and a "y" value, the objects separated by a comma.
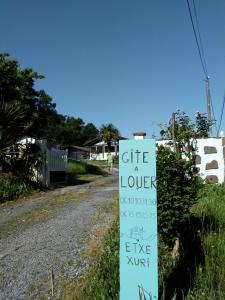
[
  {"x": 206, "y": 279},
  {"x": 210, "y": 278},
  {"x": 166, "y": 265},
  {"x": 81, "y": 172},
  {"x": 103, "y": 163},
  {"x": 12, "y": 188},
  {"x": 85, "y": 178},
  {"x": 101, "y": 282},
  {"x": 199, "y": 272}
]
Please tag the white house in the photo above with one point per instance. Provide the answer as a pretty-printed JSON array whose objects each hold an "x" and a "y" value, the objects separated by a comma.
[{"x": 99, "y": 150}]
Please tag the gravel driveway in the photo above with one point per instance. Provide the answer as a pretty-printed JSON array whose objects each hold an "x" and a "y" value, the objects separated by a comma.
[{"x": 42, "y": 238}]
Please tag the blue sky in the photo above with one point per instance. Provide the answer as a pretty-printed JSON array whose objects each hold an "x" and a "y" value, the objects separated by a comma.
[{"x": 129, "y": 62}]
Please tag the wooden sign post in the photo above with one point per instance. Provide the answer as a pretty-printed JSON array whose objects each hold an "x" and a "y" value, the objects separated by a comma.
[{"x": 138, "y": 220}]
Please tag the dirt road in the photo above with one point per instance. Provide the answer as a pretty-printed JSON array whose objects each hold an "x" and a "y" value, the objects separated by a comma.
[{"x": 47, "y": 234}]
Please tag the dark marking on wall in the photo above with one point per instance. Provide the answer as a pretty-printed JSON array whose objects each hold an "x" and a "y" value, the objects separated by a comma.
[
  {"x": 223, "y": 141},
  {"x": 212, "y": 165},
  {"x": 212, "y": 179},
  {"x": 210, "y": 150},
  {"x": 198, "y": 159}
]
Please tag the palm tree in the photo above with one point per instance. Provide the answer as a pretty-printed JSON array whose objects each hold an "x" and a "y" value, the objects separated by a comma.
[
  {"x": 14, "y": 123},
  {"x": 109, "y": 133}
]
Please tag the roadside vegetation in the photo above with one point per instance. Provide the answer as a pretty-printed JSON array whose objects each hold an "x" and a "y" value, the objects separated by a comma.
[
  {"x": 28, "y": 112},
  {"x": 12, "y": 187},
  {"x": 104, "y": 164},
  {"x": 210, "y": 275},
  {"x": 101, "y": 281},
  {"x": 191, "y": 215},
  {"x": 196, "y": 273},
  {"x": 83, "y": 172},
  {"x": 191, "y": 229}
]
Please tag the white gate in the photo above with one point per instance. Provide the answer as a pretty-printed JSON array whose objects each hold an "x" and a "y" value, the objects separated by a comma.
[{"x": 55, "y": 160}]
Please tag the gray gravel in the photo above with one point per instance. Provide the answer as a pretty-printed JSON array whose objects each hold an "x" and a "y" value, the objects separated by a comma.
[{"x": 29, "y": 253}]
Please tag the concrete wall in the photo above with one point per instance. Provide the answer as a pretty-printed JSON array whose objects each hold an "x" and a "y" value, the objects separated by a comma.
[{"x": 210, "y": 157}]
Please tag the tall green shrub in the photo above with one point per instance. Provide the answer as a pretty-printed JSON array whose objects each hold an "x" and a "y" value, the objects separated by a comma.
[
  {"x": 177, "y": 186},
  {"x": 177, "y": 176}
]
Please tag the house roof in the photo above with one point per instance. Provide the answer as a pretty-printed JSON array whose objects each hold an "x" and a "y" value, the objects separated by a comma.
[
  {"x": 91, "y": 142},
  {"x": 96, "y": 140},
  {"x": 85, "y": 149}
]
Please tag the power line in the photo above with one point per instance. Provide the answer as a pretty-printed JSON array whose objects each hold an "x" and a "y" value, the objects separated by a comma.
[
  {"x": 221, "y": 115},
  {"x": 199, "y": 43},
  {"x": 214, "y": 118},
  {"x": 196, "y": 39},
  {"x": 203, "y": 57},
  {"x": 199, "y": 35}
]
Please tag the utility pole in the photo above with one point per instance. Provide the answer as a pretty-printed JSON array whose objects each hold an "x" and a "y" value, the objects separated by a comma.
[
  {"x": 208, "y": 105},
  {"x": 174, "y": 130}
]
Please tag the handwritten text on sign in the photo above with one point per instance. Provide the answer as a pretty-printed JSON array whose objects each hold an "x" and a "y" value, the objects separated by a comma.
[{"x": 138, "y": 220}]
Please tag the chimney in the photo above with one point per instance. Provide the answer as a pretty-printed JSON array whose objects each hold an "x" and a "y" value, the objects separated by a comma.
[{"x": 139, "y": 135}]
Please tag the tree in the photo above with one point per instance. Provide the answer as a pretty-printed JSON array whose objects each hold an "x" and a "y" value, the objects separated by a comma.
[
  {"x": 17, "y": 94},
  {"x": 47, "y": 118},
  {"x": 22, "y": 110},
  {"x": 89, "y": 131},
  {"x": 66, "y": 130},
  {"x": 109, "y": 133},
  {"x": 186, "y": 131},
  {"x": 13, "y": 126},
  {"x": 177, "y": 187},
  {"x": 202, "y": 125},
  {"x": 178, "y": 182},
  {"x": 13, "y": 123},
  {"x": 25, "y": 111}
]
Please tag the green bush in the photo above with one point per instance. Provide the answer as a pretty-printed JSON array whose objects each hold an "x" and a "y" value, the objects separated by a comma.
[
  {"x": 11, "y": 188},
  {"x": 177, "y": 187},
  {"x": 210, "y": 276}
]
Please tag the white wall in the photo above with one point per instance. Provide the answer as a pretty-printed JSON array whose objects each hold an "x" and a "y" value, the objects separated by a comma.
[
  {"x": 217, "y": 143},
  {"x": 207, "y": 158},
  {"x": 103, "y": 154}
]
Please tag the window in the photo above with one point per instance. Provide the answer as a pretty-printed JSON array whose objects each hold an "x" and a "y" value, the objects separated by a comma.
[
  {"x": 99, "y": 149},
  {"x": 93, "y": 149}
]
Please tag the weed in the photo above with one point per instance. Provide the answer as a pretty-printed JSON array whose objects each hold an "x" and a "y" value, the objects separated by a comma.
[
  {"x": 209, "y": 282},
  {"x": 12, "y": 187}
]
